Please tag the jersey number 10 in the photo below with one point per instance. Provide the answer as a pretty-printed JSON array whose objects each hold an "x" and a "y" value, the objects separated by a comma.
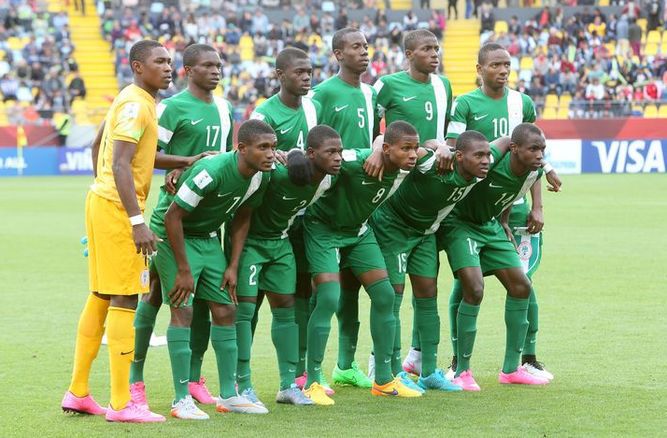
[{"x": 500, "y": 127}]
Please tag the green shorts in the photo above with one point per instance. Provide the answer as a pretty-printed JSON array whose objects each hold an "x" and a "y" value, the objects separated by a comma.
[
  {"x": 328, "y": 251},
  {"x": 486, "y": 246},
  {"x": 268, "y": 265},
  {"x": 529, "y": 247},
  {"x": 207, "y": 264},
  {"x": 296, "y": 232},
  {"x": 405, "y": 250}
]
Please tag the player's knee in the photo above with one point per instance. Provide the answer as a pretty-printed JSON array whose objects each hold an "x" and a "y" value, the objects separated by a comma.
[
  {"x": 520, "y": 288},
  {"x": 181, "y": 316},
  {"x": 245, "y": 311},
  {"x": 327, "y": 303},
  {"x": 383, "y": 302},
  {"x": 280, "y": 300},
  {"x": 124, "y": 301},
  {"x": 474, "y": 295},
  {"x": 223, "y": 314}
]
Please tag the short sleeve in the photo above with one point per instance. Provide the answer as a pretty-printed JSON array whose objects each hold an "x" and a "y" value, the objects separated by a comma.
[
  {"x": 230, "y": 136},
  {"x": 458, "y": 118},
  {"x": 382, "y": 97},
  {"x": 166, "y": 125},
  {"x": 196, "y": 186},
  {"x": 529, "y": 114},
  {"x": 130, "y": 122}
]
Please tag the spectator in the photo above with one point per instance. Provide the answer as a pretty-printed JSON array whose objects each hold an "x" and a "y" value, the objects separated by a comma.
[
  {"x": 631, "y": 10},
  {"x": 622, "y": 35},
  {"x": 552, "y": 81},
  {"x": 341, "y": 20},
  {"x": 452, "y": 4},
  {"x": 598, "y": 26},
  {"x": 635, "y": 37},
  {"x": 76, "y": 87},
  {"x": 543, "y": 18},
  {"x": 513, "y": 26},
  {"x": 410, "y": 21},
  {"x": 488, "y": 20},
  {"x": 9, "y": 86},
  {"x": 260, "y": 22},
  {"x": 652, "y": 15}
]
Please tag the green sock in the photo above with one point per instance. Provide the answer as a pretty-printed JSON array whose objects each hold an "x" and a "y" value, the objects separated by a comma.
[
  {"x": 428, "y": 324},
  {"x": 396, "y": 365},
  {"x": 223, "y": 339},
  {"x": 530, "y": 345},
  {"x": 382, "y": 328},
  {"x": 144, "y": 322},
  {"x": 178, "y": 342},
  {"x": 467, "y": 330},
  {"x": 348, "y": 327},
  {"x": 516, "y": 325},
  {"x": 301, "y": 314},
  {"x": 284, "y": 334},
  {"x": 416, "y": 342},
  {"x": 199, "y": 334},
  {"x": 319, "y": 326},
  {"x": 255, "y": 315},
  {"x": 244, "y": 315},
  {"x": 455, "y": 298}
]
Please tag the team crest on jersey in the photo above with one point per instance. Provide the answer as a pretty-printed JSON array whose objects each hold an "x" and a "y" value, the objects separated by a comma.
[
  {"x": 525, "y": 250},
  {"x": 349, "y": 154},
  {"x": 130, "y": 111},
  {"x": 143, "y": 278},
  {"x": 202, "y": 179}
]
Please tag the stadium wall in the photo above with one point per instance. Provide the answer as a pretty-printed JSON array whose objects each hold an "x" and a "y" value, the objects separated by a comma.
[{"x": 574, "y": 146}]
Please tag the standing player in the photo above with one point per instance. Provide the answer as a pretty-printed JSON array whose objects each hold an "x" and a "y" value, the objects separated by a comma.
[
  {"x": 404, "y": 227},
  {"x": 191, "y": 263},
  {"x": 268, "y": 263},
  {"x": 191, "y": 123},
  {"x": 477, "y": 245},
  {"x": 337, "y": 237},
  {"x": 119, "y": 241},
  {"x": 348, "y": 106},
  {"x": 423, "y": 98},
  {"x": 495, "y": 110},
  {"x": 292, "y": 114}
]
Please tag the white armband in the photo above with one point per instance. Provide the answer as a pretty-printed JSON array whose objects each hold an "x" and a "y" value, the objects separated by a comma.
[
  {"x": 547, "y": 167},
  {"x": 136, "y": 220}
]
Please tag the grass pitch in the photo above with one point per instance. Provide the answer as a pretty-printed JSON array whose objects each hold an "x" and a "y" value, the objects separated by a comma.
[{"x": 601, "y": 291}]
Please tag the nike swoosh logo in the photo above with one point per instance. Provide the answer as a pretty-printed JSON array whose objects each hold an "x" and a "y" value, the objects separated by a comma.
[
  {"x": 455, "y": 339},
  {"x": 243, "y": 376},
  {"x": 387, "y": 360},
  {"x": 183, "y": 381},
  {"x": 340, "y": 108},
  {"x": 125, "y": 353},
  {"x": 466, "y": 356},
  {"x": 480, "y": 117},
  {"x": 366, "y": 183},
  {"x": 392, "y": 392},
  {"x": 495, "y": 186},
  {"x": 408, "y": 99},
  {"x": 288, "y": 199},
  {"x": 223, "y": 195},
  {"x": 194, "y": 122},
  {"x": 317, "y": 369},
  {"x": 285, "y": 131},
  {"x": 138, "y": 360},
  {"x": 291, "y": 370},
  {"x": 532, "y": 341}
]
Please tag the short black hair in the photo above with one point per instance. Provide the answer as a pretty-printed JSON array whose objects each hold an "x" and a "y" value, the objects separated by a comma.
[
  {"x": 141, "y": 50},
  {"x": 522, "y": 131},
  {"x": 486, "y": 49},
  {"x": 467, "y": 138},
  {"x": 253, "y": 128},
  {"x": 411, "y": 38},
  {"x": 319, "y": 134},
  {"x": 339, "y": 36},
  {"x": 192, "y": 52},
  {"x": 287, "y": 56},
  {"x": 397, "y": 130}
]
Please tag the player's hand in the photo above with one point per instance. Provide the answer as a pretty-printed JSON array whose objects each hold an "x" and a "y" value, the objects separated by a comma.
[
  {"x": 374, "y": 165},
  {"x": 509, "y": 234},
  {"x": 535, "y": 221},
  {"x": 553, "y": 181},
  {"x": 171, "y": 179},
  {"x": 144, "y": 240},
  {"x": 184, "y": 284},
  {"x": 198, "y": 157},
  {"x": 445, "y": 158},
  {"x": 229, "y": 282},
  {"x": 281, "y": 157}
]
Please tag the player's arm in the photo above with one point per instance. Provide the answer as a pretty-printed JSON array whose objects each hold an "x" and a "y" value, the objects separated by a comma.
[
  {"x": 95, "y": 147},
  {"x": 443, "y": 153},
  {"x": 502, "y": 145},
  {"x": 448, "y": 117},
  {"x": 535, "y": 221},
  {"x": 168, "y": 161},
  {"x": 374, "y": 165},
  {"x": 123, "y": 153},
  {"x": 184, "y": 283},
  {"x": 239, "y": 231},
  {"x": 504, "y": 221}
]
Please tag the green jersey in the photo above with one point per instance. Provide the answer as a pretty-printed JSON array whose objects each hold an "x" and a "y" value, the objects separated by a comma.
[
  {"x": 494, "y": 118},
  {"x": 491, "y": 196},
  {"x": 210, "y": 191},
  {"x": 282, "y": 202},
  {"x": 188, "y": 126},
  {"x": 424, "y": 105},
  {"x": 347, "y": 207},
  {"x": 349, "y": 110},
  {"x": 291, "y": 125},
  {"x": 426, "y": 197}
]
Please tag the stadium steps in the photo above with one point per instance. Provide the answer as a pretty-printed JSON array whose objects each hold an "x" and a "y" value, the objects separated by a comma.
[
  {"x": 96, "y": 62},
  {"x": 401, "y": 5},
  {"x": 460, "y": 54}
]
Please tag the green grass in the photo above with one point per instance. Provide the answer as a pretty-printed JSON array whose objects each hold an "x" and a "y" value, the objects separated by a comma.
[{"x": 601, "y": 290}]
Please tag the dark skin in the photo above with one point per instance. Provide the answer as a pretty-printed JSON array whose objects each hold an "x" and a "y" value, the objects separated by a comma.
[
  {"x": 352, "y": 58},
  {"x": 257, "y": 155},
  {"x": 295, "y": 82},
  {"x": 151, "y": 74},
  {"x": 424, "y": 59},
  {"x": 324, "y": 160}
]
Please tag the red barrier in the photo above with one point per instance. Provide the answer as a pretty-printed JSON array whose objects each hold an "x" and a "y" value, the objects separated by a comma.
[{"x": 37, "y": 136}]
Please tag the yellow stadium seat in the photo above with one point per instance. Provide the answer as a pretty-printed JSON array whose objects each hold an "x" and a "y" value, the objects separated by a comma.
[
  {"x": 611, "y": 47},
  {"x": 549, "y": 113},
  {"x": 551, "y": 101},
  {"x": 562, "y": 113},
  {"x": 526, "y": 63},
  {"x": 14, "y": 43},
  {"x": 603, "y": 3},
  {"x": 651, "y": 111},
  {"x": 514, "y": 77},
  {"x": 564, "y": 101},
  {"x": 654, "y": 36},
  {"x": 501, "y": 26},
  {"x": 662, "y": 111},
  {"x": 642, "y": 23},
  {"x": 651, "y": 49}
]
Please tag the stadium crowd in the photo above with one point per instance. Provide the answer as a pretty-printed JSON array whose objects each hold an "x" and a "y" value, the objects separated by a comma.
[
  {"x": 38, "y": 73},
  {"x": 249, "y": 41},
  {"x": 603, "y": 63}
]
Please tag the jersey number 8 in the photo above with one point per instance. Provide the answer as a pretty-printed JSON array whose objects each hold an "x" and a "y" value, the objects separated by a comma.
[{"x": 378, "y": 196}]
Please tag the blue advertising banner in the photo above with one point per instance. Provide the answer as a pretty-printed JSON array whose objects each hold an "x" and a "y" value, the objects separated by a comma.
[
  {"x": 623, "y": 156},
  {"x": 75, "y": 161},
  {"x": 32, "y": 161}
]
